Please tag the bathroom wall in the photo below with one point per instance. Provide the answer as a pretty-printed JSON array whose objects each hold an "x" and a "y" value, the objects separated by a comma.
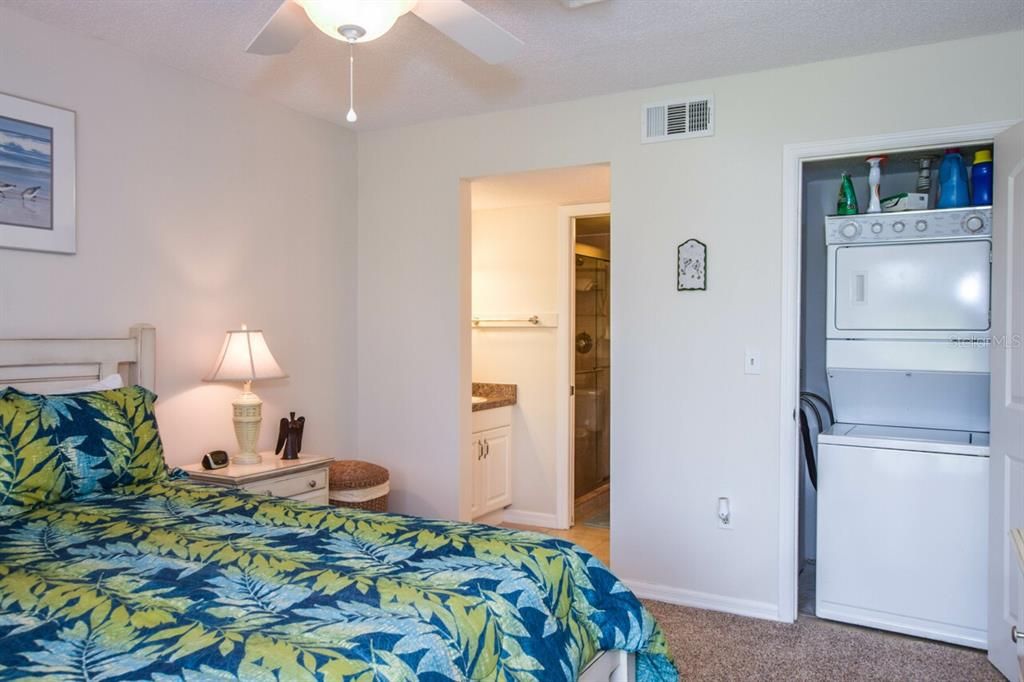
[{"x": 515, "y": 269}]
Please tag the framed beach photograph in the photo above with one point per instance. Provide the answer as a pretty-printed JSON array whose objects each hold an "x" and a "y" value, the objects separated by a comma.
[{"x": 37, "y": 176}]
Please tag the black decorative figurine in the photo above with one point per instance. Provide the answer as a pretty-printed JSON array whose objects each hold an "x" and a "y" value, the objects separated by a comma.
[{"x": 290, "y": 436}]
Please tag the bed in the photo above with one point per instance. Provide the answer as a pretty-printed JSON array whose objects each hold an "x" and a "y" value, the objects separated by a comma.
[{"x": 163, "y": 579}]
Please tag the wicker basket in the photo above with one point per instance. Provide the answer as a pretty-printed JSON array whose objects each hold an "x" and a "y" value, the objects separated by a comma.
[{"x": 360, "y": 485}]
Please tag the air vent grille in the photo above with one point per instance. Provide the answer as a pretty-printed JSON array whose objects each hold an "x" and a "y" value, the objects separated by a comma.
[
  {"x": 675, "y": 120},
  {"x": 675, "y": 115},
  {"x": 700, "y": 116},
  {"x": 655, "y": 122}
]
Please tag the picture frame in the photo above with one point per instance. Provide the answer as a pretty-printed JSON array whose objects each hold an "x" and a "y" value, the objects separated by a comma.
[
  {"x": 692, "y": 266},
  {"x": 37, "y": 176}
]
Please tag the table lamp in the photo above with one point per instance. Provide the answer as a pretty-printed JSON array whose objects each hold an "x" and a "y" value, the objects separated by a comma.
[{"x": 246, "y": 357}]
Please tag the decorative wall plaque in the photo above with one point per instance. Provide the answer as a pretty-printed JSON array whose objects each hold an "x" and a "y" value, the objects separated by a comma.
[{"x": 692, "y": 263}]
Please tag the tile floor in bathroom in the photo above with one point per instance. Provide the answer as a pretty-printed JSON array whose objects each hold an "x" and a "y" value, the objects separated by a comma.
[{"x": 594, "y": 539}]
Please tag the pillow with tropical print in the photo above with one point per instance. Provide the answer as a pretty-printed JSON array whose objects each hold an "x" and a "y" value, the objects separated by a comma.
[{"x": 55, "y": 447}]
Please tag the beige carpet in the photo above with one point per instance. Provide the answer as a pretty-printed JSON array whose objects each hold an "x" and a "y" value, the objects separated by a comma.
[{"x": 708, "y": 645}]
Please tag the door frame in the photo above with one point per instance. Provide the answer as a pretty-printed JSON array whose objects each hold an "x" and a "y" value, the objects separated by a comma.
[
  {"x": 566, "y": 363},
  {"x": 793, "y": 158}
]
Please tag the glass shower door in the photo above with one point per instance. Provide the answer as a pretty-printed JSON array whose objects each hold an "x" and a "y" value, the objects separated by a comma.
[{"x": 593, "y": 373}]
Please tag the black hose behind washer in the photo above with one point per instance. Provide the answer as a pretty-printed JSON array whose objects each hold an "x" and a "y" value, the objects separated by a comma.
[{"x": 807, "y": 398}]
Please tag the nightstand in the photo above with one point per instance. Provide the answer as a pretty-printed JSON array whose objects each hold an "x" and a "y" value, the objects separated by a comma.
[{"x": 305, "y": 478}]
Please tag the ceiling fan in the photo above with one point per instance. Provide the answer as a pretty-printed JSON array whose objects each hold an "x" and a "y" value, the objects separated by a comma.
[{"x": 360, "y": 21}]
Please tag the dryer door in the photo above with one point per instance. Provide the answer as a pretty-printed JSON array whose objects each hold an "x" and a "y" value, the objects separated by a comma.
[{"x": 931, "y": 286}]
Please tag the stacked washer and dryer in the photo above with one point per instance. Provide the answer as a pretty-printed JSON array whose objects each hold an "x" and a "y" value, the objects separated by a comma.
[{"x": 903, "y": 474}]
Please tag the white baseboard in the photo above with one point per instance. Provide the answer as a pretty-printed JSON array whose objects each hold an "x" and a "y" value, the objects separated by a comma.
[
  {"x": 529, "y": 518},
  {"x": 704, "y": 600},
  {"x": 494, "y": 518}
]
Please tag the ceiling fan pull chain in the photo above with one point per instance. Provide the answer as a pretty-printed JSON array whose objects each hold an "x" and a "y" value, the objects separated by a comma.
[{"x": 351, "y": 115}]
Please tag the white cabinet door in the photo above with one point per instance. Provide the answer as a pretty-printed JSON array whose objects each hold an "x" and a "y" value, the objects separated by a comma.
[
  {"x": 1006, "y": 488},
  {"x": 497, "y": 468}
]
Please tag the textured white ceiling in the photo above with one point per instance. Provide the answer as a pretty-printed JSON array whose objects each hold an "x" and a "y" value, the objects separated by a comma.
[
  {"x": 414, "y": 73},
  {"x": 557, "y": 186}
]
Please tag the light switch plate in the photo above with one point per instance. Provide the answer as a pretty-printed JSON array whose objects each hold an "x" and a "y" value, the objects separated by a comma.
[
  {"x": 724, "y": 508},
  {"x": 752, "y": 362}
]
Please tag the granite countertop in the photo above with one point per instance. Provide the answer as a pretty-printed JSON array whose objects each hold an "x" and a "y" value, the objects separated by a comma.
[{"x": 498, "y": 395}]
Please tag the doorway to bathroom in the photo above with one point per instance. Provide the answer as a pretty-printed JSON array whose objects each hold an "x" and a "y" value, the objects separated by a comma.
[
  {"x": 591, "y": 334},
  {"x": 540, "y": 254}
]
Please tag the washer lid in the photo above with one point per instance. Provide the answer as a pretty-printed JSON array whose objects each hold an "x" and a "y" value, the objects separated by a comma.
[
  {"x": 957, "y": 401},
  {"x": 907, "y": 438}
]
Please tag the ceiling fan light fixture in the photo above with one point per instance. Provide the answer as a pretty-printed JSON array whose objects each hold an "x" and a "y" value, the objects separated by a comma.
[
  {"x": 351, "y": 33},
  {"x": 344, "y": 19}
]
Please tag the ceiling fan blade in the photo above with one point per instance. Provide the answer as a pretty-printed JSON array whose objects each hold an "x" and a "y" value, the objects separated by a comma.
[
  {"x": 469, "y": 28},
  {"x": 282, "y": 31}
]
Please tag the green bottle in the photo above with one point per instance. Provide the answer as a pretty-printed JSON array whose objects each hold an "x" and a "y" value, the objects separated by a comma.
[{"x": 847, "y": 197}]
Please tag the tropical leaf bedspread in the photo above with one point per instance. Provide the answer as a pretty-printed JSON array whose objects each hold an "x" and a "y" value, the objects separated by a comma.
[{"x": 171, "y": 580}]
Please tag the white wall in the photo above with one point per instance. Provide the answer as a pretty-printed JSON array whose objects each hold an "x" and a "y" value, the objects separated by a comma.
[
  {"x": 687, "y": 424},
  {"x": 198, "y": 208},
  {"x": 515, "y": 270}
]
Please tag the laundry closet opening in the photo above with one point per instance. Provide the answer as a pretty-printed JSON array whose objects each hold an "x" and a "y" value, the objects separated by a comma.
[{"x": 895, "y": 310}]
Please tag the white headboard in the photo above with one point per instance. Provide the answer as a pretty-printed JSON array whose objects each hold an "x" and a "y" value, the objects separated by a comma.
[{"x": 43, "y": 365}]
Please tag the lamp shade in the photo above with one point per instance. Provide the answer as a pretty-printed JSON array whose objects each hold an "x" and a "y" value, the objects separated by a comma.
[{"x": 245, "y": 356}]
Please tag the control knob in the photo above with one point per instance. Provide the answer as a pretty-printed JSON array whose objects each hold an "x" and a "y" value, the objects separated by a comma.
[
  {"x": 973, "y": 223},
  {"x": 876, "y": 228},
  {"x": 921, "y": 225},
  {"x": 898, "y": 226},
  {"x": 849, "y": 230}
]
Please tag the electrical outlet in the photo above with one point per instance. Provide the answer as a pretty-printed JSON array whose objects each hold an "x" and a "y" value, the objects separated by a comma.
[
  {"x": 752, "y": 362},
  {"x": 725, "y": 520}
]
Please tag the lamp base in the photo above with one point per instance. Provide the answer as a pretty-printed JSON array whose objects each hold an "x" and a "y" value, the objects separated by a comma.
[
  {"x": 248, "y": 413},
  {"x": 246, "y": 458}
]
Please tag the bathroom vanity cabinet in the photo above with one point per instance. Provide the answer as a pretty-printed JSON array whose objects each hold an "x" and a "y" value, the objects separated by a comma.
[{"x": 492, "y": 460}]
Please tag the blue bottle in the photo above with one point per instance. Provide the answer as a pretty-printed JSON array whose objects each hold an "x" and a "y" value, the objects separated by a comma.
[
  {"x": 953, "y": 181},
  {"x": 981, "y": 178}
]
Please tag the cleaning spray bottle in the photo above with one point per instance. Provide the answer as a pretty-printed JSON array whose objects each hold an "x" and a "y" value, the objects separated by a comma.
[
  {"x": 874, "y": 183},
  {"x": 847, "y": 204}
]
